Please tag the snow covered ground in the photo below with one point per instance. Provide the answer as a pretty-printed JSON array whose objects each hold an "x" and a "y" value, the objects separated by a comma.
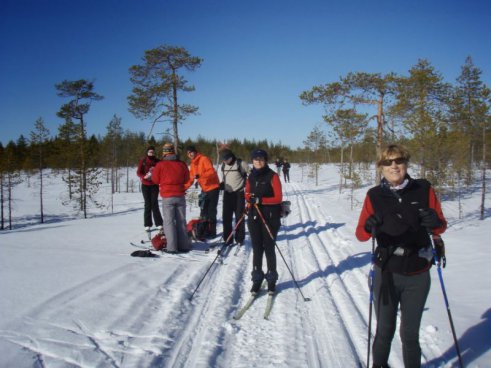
[{"x": 71, "y": 295}]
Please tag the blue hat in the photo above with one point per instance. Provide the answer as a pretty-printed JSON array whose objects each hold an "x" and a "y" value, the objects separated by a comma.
[{"x": 259, "y": 153}]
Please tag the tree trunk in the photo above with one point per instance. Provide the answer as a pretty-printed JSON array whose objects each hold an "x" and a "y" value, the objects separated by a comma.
[
  {"x": 2, "y": 202},
  {"x": 483, "y": 172},
  {"x": 175, "y": 117},
  {"x": 380, "y": 133},
  {"x": 9, "y": 191},
  {"x": 341, "y": 173}
]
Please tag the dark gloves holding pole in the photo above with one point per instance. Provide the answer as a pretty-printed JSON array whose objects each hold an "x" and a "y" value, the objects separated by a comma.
[
  {"x": 440, "y": 250},
  {"x": 428, "y": 218},
  {"x": 372, "y": 223},
  {"x": 254, "y": 200}
]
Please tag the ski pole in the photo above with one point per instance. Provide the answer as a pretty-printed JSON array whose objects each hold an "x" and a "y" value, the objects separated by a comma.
[
  {"x": 220, "y": 251},
  {"x": 218, "y": 255},
  {"x": 371, "y": 274},
  {"x": 440, "y": 276},
  {"x": 279, "y": 251}
]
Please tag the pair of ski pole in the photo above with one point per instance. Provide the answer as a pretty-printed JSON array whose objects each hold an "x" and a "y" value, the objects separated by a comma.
[
  {"x": 279, "y": 251},
  {"x": 219, "y": 253},
  {"x": 272, "y": 237},
  {"x": 440, "y": 276}
]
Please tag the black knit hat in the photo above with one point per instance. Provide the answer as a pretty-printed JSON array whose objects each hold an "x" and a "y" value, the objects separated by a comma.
[
  {"x": 227, "y": 154},
  {"x": 259, "y": 153},
  {"x": 151, "y": 148},
  {"x": 191, "y": 149}
]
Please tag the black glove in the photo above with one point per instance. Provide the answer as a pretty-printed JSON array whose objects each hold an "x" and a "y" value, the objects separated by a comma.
[
  {"x": 440, "y": 250},
  {"x": 428, "y": 218},
  {"x": 222, "y": 186},
  {"x": 372, "y": 223},
  {"x": 254, "y": 200}
]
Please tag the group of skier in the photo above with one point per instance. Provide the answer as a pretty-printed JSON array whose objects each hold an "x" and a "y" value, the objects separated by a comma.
[
  {"x": 401, "y": 215},
  {"x": 255, "y": 193}
]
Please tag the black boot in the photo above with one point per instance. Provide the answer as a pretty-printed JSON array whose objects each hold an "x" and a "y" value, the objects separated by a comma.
[
  {"x": 212, "y": 229},
  {"x": 256, "y": 286},
  {"x": 272, "y": 276},
  {"x": 257, "y": 280}
]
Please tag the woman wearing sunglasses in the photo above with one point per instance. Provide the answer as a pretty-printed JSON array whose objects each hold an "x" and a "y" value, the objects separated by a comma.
[{"x": 401, "y": 213}]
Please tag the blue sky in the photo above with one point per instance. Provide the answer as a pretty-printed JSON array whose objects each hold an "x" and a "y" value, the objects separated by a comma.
[{"x": 259, "y": 55}]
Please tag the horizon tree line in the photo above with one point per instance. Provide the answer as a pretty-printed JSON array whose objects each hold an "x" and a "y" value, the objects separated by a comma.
[{"x": 445, "y": 126}]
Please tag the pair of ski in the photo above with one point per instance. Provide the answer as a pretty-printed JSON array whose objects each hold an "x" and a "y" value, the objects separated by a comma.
[
  {"x": 250, "y": 301},
  {"x": 238, "y": 247}
]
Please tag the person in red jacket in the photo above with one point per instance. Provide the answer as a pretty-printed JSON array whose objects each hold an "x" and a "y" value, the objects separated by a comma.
[
  {"x": 150, "y": 191},
  {"x": 401, "y": 212},
  {"x": 172, "y": 174},
  {"x": 263, "y": 188},
  {"x": 202, "y": 170}
]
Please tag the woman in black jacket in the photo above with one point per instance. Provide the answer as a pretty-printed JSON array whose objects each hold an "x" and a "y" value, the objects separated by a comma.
[
  {"x": 263, "y": 189},
  {"x": 401, "y": 212}
]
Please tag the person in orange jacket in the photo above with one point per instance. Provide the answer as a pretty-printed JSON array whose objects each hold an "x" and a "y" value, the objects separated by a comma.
[{"x": 201, "y": 169}]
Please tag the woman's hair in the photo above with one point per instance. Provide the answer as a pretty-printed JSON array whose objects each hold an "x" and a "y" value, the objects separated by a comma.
[{"x": 394, "y": 151}]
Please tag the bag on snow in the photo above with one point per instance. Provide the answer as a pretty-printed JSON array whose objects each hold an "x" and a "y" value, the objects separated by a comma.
[
  {"x": 197, "y": 229},
  {"x": 159, "y": 241},
  {"x": 143, "y": 253},
  {"x": 285, "y": 208}
]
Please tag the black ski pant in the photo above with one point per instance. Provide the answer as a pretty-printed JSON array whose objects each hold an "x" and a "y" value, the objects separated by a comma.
[
  {"x": 410, "y": 293},
  {"x": 209, "y": 209},
  {"x": 262, "y": 243},
  {"x": 286, "y": 176},
  {"x": 233, "y": 205},
  {"x": 151, "y": 198}
]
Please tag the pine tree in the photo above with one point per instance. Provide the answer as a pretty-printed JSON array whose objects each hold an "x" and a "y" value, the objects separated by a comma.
[
  {"x": 39, "y": 137},
  {"x": 157, "y": 83},
  {"x": 80, "y": 94},
  {"x": 470, "y": 116},
  {"x": 421, "y": 106},
  {"x": 372, "y": 89},
  {"x": 348, "y": 126}
]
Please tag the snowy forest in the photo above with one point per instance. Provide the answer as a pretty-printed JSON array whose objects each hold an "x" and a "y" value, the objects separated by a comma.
[{"x": 445, "y": 125}]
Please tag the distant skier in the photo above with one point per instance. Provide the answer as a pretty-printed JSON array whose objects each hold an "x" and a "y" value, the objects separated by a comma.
[
  {"x": 278, "y": 163},
  {"x": 150, "y": 191},
  {"x": 263, "y": 188},
  {"x": 400, "y": 211},
  {"x": 286, "y": 170}
]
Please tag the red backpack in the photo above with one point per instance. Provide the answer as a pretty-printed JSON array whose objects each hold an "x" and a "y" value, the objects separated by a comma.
[{"x": 159, "y": 241}]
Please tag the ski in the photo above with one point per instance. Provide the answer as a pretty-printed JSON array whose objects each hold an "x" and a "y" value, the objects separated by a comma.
[
  {"x": 246, "y": 306},
  {"x": 237, "y": 250},
  {"x": 269, "y": 304},
  {"x": 215, "y": 242},
  {"x": 141, "y": 245}
]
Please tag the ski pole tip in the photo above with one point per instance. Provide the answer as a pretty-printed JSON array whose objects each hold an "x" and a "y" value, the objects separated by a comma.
[{"x": 307, "y": 299}]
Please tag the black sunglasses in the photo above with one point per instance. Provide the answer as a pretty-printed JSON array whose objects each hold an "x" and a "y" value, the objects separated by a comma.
[{"x": 398, "y": 161}]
